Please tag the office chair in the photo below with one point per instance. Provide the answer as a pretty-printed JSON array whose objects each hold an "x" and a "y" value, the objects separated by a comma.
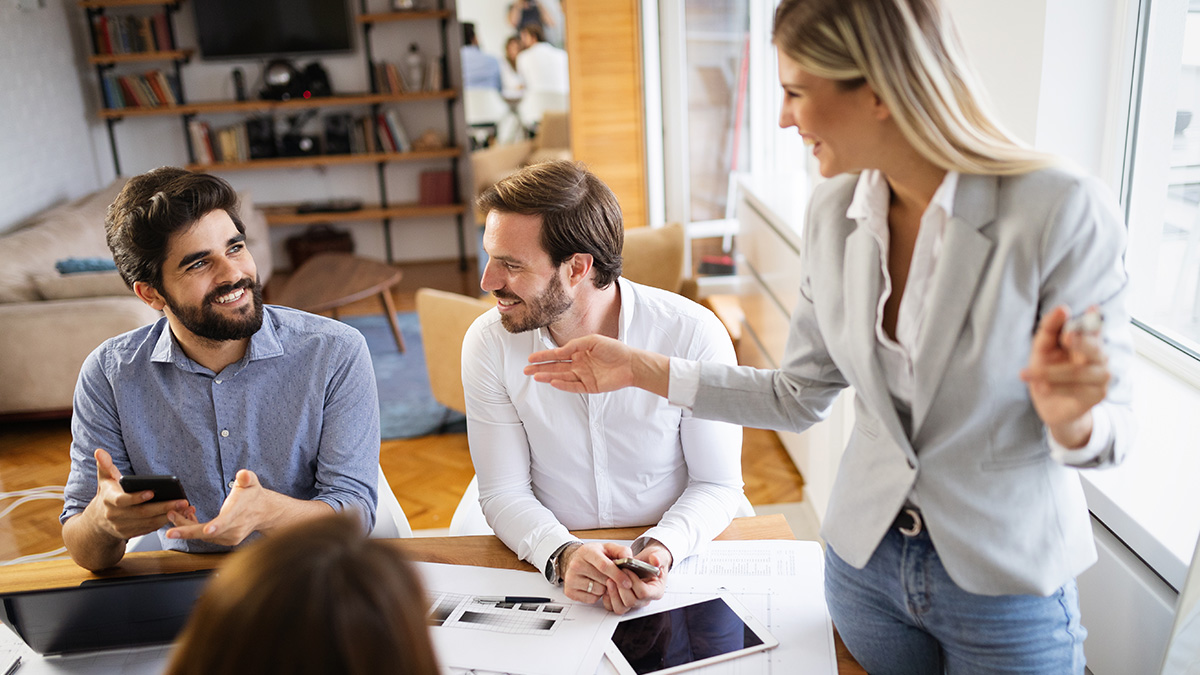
[
  {"x": 484, "y": 110},
  {"x": 390, "y": 521},
  {"x": 654, "y": 257},
  {"x": 445, "y": 318}
]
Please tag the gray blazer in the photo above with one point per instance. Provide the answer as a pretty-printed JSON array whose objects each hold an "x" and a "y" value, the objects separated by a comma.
[{"x": 1004, "y": 516}]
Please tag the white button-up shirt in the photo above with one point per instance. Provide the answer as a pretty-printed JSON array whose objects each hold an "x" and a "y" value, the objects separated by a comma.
[{"x": 549, "y": 461}]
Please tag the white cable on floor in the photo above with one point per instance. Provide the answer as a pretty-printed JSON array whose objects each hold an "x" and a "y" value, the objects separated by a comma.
[{"x": 33, "y": 494}]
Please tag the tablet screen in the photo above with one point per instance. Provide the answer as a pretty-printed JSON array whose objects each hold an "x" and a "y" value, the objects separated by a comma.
[{"x": 683, "y": 635}]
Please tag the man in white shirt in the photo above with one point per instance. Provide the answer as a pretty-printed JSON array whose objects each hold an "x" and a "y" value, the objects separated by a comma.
[
  {"x": 549, "y": 461},
  {"x": 540, "y": 64},
  {"x": 543, "y": 69}
]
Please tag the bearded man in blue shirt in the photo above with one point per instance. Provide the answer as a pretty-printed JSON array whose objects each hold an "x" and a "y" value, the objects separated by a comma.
[{"x": 268, "y": 415}]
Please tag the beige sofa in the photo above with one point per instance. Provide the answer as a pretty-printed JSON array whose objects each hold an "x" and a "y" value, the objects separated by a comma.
[{"x": 49, "y": 322}]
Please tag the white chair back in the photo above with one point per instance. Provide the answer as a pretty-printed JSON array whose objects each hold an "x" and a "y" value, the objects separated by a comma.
[
  {"x": 484, "y": 106},
  {"x": 390, "y": 521},
  {"x": 468, "y": 517},
  {"x": 537, "y": 103}
]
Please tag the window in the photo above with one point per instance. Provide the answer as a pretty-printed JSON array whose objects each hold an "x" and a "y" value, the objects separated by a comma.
[
  {"x": 720, "y": 104},
  {"x": 1161, "y": 186}
]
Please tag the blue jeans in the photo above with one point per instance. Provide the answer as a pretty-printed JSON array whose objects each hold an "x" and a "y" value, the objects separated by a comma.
[{"x": 902, "y": 614}]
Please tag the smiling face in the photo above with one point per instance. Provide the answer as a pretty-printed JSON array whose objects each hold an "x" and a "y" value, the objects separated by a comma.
[
  {"x": 209, "y": 282},
  {"x": 843, "y": 126},
  {"x": 527, "y": 285}
]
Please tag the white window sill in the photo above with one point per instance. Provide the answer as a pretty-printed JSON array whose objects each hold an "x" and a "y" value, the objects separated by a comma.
[{"x": 1151, "y": 502}]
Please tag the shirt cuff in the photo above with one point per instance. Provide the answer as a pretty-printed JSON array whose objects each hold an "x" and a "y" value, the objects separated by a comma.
[
  {"x": 675, "y": 543},
  {"x": 1088, "y": 455},
  {"x": 684, "y": 382},
  {"x": 546, "y": 548}
]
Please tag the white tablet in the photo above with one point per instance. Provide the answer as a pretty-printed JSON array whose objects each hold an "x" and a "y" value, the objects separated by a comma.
[{"x": 687, "y": 637}]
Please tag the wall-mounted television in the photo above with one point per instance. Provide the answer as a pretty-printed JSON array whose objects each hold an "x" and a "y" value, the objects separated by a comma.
[{"x": 228, "y": 29}]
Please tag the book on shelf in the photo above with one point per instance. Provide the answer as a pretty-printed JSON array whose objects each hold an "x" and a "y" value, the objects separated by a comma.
[
  {"x": 362, "y": 136},
  {"x": 201, "y": 137},
  {"x": 399, "y": 136},
  {"x": 162, "y": 33},
  {"x": 387, "y": 142},
  {"x": 433, "y": 76},
  {"x": 131, "y": 34},
  {"x": 149, "y": 90},
  {"x": 387, "y": 78}
]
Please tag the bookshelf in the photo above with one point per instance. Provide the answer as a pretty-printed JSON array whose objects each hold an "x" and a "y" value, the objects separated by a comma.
[
  {"x": 329, "y": 160},
  {"x": 144, "y": 95},
  {"x": 214, "y": 107}
]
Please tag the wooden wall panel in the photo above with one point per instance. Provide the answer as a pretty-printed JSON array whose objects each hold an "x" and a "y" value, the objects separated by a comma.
[{"x": 607, "y": 126}]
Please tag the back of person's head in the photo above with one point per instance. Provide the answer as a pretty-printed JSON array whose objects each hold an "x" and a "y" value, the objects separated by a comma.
[
  {"x": 468, "y": 33},
  {"x": 909, "y": 54},
  {"x": 512, "y": 47},
  {"x": 313, "y": 599},
  {"x": 154, "y": 206},
  {"x": 535, "y": 32},
  {"x": 580, "y": 214}
]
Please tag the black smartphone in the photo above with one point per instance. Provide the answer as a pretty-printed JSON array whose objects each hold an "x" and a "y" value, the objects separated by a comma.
[
  {"x": 165, "y": 488},
  {"x": 644, "y": 570}
]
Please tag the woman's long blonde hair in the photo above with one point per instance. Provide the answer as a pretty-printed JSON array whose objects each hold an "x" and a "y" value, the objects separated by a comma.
[{"x": 908, "y": 52}]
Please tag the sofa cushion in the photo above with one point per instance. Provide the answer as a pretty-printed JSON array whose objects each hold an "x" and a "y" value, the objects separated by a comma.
[
  {"x": 76, "y": 230},
  {"x": 70, "y": 230},
  {"x": 77, "y": 265},
  {"x": 80, "y": 285}
]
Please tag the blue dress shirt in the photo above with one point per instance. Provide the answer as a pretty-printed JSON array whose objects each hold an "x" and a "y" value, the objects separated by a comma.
[
  {"x": 300, "y": 409},
  {"x": 480, "y": 71}
]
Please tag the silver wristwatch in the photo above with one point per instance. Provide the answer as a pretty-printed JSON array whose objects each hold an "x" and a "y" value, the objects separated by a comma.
[{"x": 554, "y": 569}]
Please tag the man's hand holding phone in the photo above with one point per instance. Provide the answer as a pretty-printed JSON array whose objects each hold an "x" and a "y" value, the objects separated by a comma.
[
  {"x": 647, "y": 574},
  {"x": 125, "y": 515},
  {"x": 592, "y": 572}
]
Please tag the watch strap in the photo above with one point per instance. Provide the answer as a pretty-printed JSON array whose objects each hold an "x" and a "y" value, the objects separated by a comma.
[{"x": 554, "y": 563}]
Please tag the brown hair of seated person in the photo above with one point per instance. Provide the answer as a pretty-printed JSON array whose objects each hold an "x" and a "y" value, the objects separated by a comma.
[{"x": 316, "y": 598}]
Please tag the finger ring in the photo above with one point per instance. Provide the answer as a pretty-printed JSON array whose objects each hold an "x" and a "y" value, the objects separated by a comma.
[{"x": 589, "y": 588}]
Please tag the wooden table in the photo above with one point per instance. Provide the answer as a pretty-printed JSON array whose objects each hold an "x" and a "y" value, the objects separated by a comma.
[
  {"x": 483, "y": 551},
  {"x": 328, "y": 281}
]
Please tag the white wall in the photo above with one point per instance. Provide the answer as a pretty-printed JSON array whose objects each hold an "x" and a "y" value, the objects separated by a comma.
[
  {"x": 52, "y": 147},
  {"x": 47, "y": 149},
  {"x": 1003, "y": 40},
  {"x": 1047, "y": 66},
  {"x": 146, "y": 143},
  {"x": 491, "y": 23}
]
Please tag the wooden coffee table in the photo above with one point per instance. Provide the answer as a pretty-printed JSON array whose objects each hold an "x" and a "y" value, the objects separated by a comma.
[{"x": 328, "y": 281}]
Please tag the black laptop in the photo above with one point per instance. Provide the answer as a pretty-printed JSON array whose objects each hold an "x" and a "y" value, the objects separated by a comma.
[{"x": 104, "y": 614}]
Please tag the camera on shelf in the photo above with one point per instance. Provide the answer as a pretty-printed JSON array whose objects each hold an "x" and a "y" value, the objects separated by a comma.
[
  {"x": 296, "y": 143},
  {"x": 283, "y": 82}
]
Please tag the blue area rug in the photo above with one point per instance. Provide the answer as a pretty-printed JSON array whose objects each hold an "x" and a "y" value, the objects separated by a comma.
[{"x": 406, "y": 405}]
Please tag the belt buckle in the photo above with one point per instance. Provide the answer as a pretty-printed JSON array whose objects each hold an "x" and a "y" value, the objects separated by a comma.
[{"x": 915, "y": 529}]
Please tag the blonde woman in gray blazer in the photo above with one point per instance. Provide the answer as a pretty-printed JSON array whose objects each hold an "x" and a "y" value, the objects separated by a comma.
[{"x": 941, "y": 262}]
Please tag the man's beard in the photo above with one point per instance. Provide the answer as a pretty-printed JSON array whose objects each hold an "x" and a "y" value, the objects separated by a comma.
[
  {"x": 205, "y": 322},
  {"x": 540, "y": 311}
]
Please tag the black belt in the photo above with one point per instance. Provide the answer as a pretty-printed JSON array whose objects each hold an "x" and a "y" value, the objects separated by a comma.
[{"x": 909, "y": 522}]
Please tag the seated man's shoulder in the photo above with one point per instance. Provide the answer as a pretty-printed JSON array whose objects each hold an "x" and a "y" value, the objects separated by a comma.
[
  {"x": 127, "y": 346},
  {"x": 678, "y": 320},
  {"x": 668, "y": 303},
  {"x": 294, "y": 324}
]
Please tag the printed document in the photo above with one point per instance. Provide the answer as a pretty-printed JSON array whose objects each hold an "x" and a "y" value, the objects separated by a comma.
[{"x": 473, "y": 628}]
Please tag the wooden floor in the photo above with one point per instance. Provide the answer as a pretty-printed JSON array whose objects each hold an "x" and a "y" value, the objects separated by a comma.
[{"x": 427, "y": 474}]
